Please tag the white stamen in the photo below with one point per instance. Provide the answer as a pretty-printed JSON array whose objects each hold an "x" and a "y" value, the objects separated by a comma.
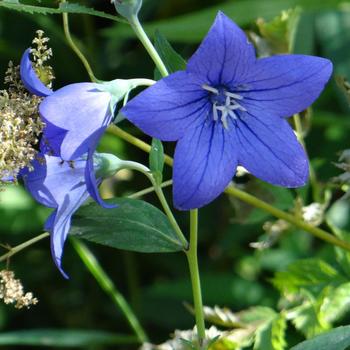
[
  {"x": 227, "y": 109},
  {"x": 215, "y": 112},
  {"x": 232, "y": 95},
  {"x": 232, "y": 114},
  {"x": 210, "y": 89},
  {"x": 224, "y": 120}
]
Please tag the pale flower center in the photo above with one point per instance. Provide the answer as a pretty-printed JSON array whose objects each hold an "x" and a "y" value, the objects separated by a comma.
[{"x": 225, "y": 104}]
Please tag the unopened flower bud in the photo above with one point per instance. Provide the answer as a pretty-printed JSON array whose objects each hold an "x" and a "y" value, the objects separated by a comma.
[{"x": 127, "y": 8}]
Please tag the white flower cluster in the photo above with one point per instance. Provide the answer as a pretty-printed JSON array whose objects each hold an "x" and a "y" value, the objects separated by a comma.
[{"x": 11, "y": 291}]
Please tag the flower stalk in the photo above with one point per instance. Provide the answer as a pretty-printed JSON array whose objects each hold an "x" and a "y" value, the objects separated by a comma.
[
  {"x": 75, "y": 48},
  {"x": 142, "y": 36},
  {"x": 108, "y": 286},
  {"x": 192, "y": 258},
  {"x": 24, "y": 245}
]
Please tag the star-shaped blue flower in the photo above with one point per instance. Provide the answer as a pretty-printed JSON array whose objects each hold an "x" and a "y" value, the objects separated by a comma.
[{"x": 227, "y": 109}]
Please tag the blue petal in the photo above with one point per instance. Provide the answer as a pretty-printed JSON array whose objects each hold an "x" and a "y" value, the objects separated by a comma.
[
  {"x": 52, "y": 139},
  {"x": 268, "y": 148},
  {"x": 285, "y": 84},
  {"x": 205, "y": 162},
  {"x": 60, "y": 185},
  {"x": 34, "y": 180},
  {"x": 169, "y": 108},
  {"x": 225, "y": 55},
  {"x": 29, "y": 78},
  {"x": 92, "y": 182},
  {"x": 81, "y": 110}
]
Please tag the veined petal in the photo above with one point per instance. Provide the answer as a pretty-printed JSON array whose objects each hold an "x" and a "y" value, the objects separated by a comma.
[
  {"x": 52, "y": 139},
  {"x": 81, "y": 110},
  {"x": 29, "y": 78},
  {"x": 225, "y": 55},
  {"x": 269, "y": 150},
  {"x": 62, "y": 222},
  {"x": 285, "y": 84},
  {"x": 170, "y": 107},
  {"x": 59, "y": 185},
  {"x": 204, "y": 164}
]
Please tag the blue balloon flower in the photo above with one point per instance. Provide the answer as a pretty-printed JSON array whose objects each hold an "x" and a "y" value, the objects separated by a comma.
[
  {"x": 75, "y": 117},
  {"x": 59, "y": 185},
  {"x": 62, "y": 186},
  {"x": 227, "y": 109}
]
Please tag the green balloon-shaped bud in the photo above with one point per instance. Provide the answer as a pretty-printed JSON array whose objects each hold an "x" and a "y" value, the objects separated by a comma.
[{"x": 128, "y": 8}]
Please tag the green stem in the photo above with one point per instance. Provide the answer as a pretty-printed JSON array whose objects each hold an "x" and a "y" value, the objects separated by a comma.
[
  {"x": 18, "y": 248},
  {"x": 258, "y": 203},
  {"x": 313, "y": 180},
  {"x": 248, "y": 198},
  {"x": 140, "y": 33},
  {"x": 107, "y": 285},
  {"x": 75, "y": 48},
  {"x": 194, "y": 272},
  {"x": 115, "y": 130},
  {"x": 149, "y": 189},
  {"x": 169, "y": 213}
]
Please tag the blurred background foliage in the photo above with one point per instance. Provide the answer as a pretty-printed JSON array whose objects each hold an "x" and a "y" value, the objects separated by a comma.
[{"x": 234, "y": 274}]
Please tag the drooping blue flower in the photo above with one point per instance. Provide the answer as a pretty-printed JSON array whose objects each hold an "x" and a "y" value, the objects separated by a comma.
[
  {"x": 227, "y": 109},
  {"x": 62, "y": 186},
  {"x": 75, "y": 116}
]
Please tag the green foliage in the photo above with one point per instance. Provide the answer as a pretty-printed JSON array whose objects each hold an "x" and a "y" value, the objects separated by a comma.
[
  {"x": 172, "y": 60},
  {"x": 64, "y": 7},
  {"x": 134, "y": 225},
  {"x": 190, "y": 28},
  {"x": 311, "y": 275},
  {"x": 156, "y": 160},
  {"x": 337, "y": 339},
  {"x": 64, "y": 338},
  {"x": 280, "y": 32}
]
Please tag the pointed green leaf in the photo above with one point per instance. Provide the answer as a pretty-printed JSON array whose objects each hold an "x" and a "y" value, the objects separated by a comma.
[
  {"x": 336, "y": 303},
  {"x": 134, "y": 225},
  {"x": 64, "y": 338},
  {"x": 310, "y": 274},
  {"x": 172, "y": 60},
  {"x": 156, "y": 160},
  {"x": 306, "y": 320},
  {"x": 336, "y": 339}
]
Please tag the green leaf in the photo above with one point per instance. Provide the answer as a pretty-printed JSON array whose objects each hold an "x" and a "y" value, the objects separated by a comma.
[
  {"x": 336, "y": 303},
  {"x": 310, "y": 274},
  {"x": 64, "y": 338},
  {"x": 271, "y": 335},
  {"x": 338, "y": 215},
  {"x": 64, "y": 7},
  {"x": 156, "y": 160},
  {"x": 338, "y": 218},
  {"x": 172, "y": 60},
  {"x": 134, "y": 225},
  {"x": 336, "y": 339},
  {"x": 305, "y": 319},
  {"x": 280, "y": 32},
  {"x": 192, "y": 27}
]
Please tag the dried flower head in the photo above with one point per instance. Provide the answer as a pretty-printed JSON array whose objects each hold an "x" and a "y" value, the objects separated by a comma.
[
  {"x": 41, "y": 53},
  {"x": 11, "y": 291},
  {"x": 21, "y": 124},
  {"x": 185, "y": 340}
]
